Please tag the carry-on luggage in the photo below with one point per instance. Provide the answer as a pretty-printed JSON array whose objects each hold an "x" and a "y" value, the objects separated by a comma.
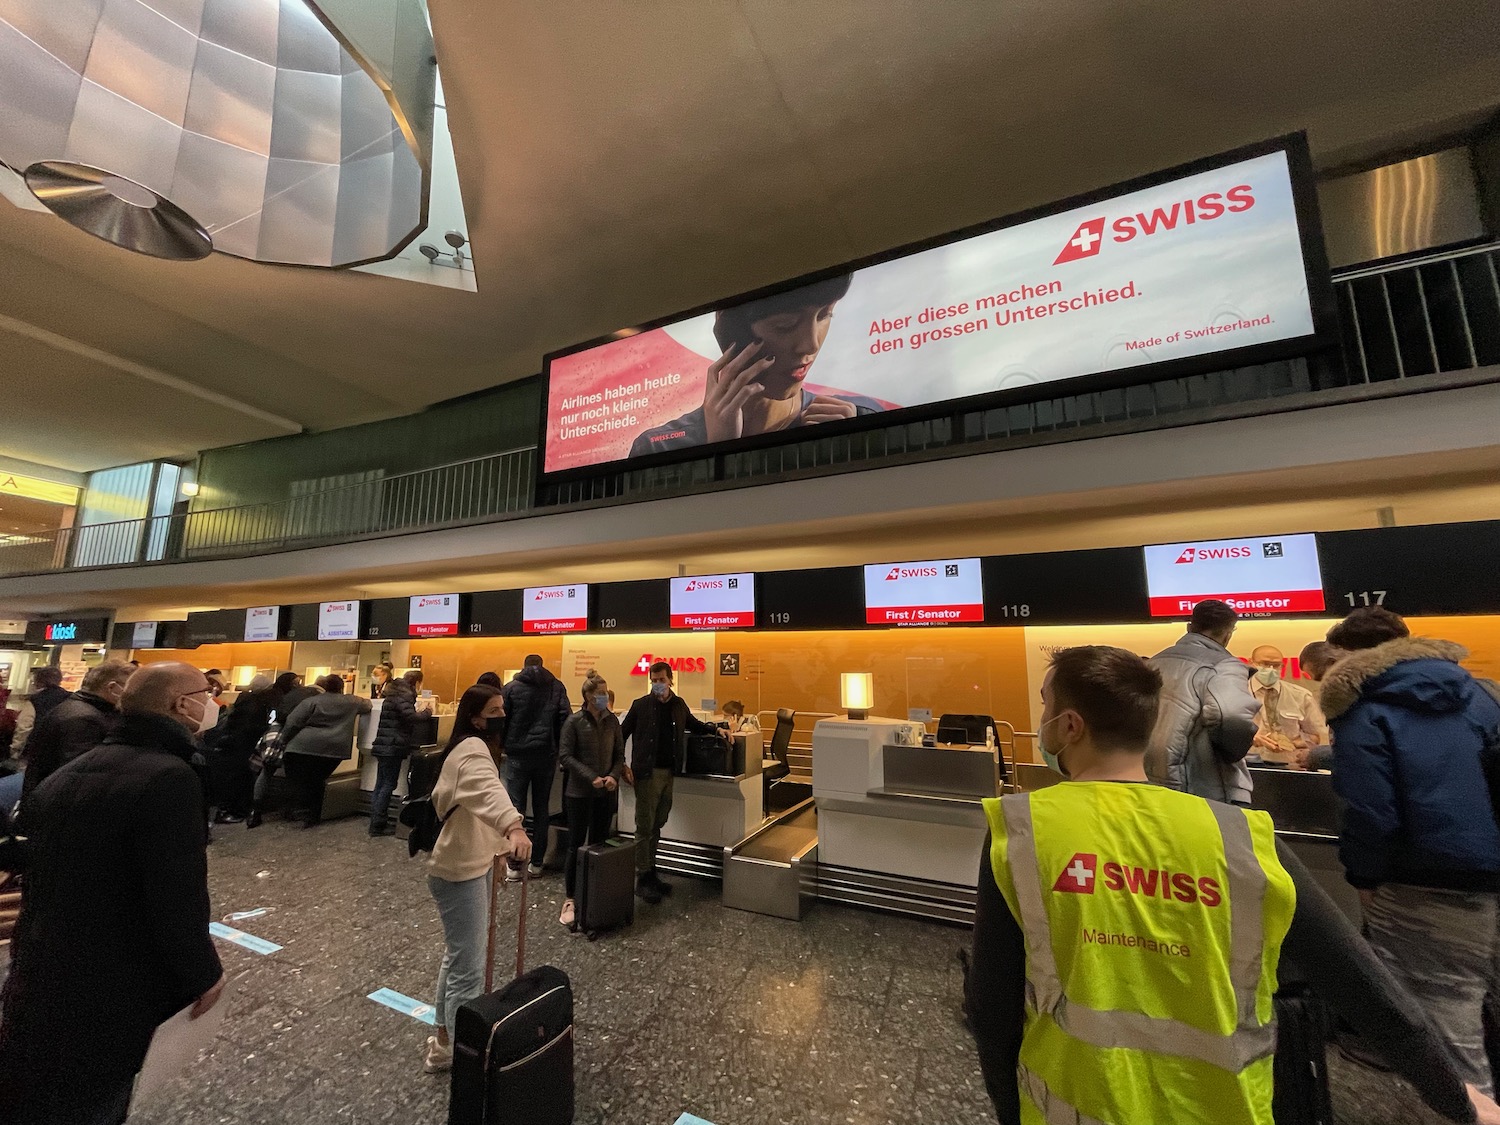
[
  {"x": 1301, "y": 1063},
  {"x": 513, "y": 1049},
  {"x": 605, "y": 894}
]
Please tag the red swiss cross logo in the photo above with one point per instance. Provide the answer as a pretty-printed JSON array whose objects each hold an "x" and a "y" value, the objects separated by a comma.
[
  {"x": 1078, "y": 876},
  {"x": 1085, "y": 243},
  {"x": 1188, "y": 555},
  {"x": 642, "y": 666}
]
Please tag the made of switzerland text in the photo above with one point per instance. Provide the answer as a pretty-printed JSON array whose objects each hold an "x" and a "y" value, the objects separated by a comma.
[{"x": 1010, "y": 312}]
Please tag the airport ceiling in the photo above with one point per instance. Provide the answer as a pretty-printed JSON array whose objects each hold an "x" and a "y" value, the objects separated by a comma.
[{"x": 624, "y": 161}]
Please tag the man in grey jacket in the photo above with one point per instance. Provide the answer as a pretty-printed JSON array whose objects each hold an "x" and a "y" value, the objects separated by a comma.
[{"x": 1206, "y": 723}]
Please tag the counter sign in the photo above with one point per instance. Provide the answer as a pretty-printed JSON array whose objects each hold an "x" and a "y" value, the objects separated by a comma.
[
  {"x": 555, "y": 609},
  {"x": 940, "y": 592},
  {"x": 262, "y": 623},
  {"x": 713, "y": 601},
  {"x": 338, "y": 621},
  {"x": 433, "y": 615},
  {"x": 1258, "y": 577}
]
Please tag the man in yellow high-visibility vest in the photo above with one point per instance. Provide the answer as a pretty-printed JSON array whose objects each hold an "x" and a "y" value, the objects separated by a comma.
[{"x": 1127, "y": 937}]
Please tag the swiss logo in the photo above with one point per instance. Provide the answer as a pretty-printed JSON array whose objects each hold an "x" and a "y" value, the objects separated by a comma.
[
  {"x": 1187, "y": 556},
  {"x": 1271, "y": 550},
  {"x": 1085, "y": 242},
  {"x": 1078, "y": 876}
]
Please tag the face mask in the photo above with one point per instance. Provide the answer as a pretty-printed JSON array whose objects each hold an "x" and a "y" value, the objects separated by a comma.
[
  {"x": 601, "y": 702},
  {"x": 494, "y": 726},
  {"x": 660, "y": 690},
  {"x": 1054, "y": 763},
  {"x": 1268, "y": 676},
  {"x": 195, "y": 721},
  {"x": 210, "y": 717}
]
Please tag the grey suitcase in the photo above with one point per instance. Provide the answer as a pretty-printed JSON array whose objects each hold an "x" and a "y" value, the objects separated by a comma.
[{"x": 605, "y": 894}]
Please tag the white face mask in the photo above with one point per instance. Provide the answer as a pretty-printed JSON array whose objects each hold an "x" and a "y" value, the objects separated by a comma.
[
  {"x": 1268, "y": 676},
  {"x": 210, "y": 716},
  {"x": 193, "y": 722}
]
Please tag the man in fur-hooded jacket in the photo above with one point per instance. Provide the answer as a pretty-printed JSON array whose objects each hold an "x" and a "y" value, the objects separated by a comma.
[{"x": 1419, "y": 838}]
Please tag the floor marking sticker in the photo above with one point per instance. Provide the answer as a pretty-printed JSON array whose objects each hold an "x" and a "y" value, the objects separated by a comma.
[
  {"x": 242, "y": 939},
  {"x": 689, "y": 1119},
  {"x": 405, "y": 1005}
]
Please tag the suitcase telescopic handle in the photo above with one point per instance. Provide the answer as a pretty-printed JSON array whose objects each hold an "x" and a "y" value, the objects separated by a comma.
[{"x": 497, "y": 878}]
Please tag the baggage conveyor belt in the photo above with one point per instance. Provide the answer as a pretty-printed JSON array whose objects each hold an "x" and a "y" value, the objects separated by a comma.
[{"x": 774, "y": 870}]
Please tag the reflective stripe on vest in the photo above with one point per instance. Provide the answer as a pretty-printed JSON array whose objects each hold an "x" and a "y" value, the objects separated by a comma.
[
  {"x": 1055, "y": 1111},
  {"x": 1136, "y": 1030}
]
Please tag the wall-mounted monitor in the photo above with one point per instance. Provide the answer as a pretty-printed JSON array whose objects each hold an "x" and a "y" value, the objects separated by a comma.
[
  {"x": 1258, "y": 577},
  {"x": 338, "y": 621},
  {"x": 555, "y": 609},
  {"x": 643, "y": 606},
  {"x": 713, "y": 601},
  {"x": 1210, "y": 265},
  {"x": 263, "y": 623},
  {"x": 143, "y": 634},
  {"x": 935, "y": 592},
  {"x": 434, "y": 615},
  {"x": 831, "y": 598}
]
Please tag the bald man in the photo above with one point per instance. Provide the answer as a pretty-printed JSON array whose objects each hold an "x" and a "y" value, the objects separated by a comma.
[
  {"x": 1289, "y": 721},
  {"x": 113, "y": 934}
]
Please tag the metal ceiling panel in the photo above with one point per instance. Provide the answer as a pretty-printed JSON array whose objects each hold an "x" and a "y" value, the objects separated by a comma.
[
  {"x": 364, "y": 206},
  {"x": 64, "y": 28},
  {"x": 223, "y": 186},
  {"x": 143, "y": 57},
  {"x": 232, "y": 98},
  {"x": 247, "y": 26},
  {"x": 186, "y": 14},
  {"x": 367, "y": 125},
  {"x": 300, "y": 208},
  {"x": 32, "y": 83},
  {"x": 113, "y": 133},
  {"x": 302, "y": 127},
  {"x": 303, "y": 43}
]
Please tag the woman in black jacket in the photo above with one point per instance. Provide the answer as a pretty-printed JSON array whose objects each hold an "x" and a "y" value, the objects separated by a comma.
[
  {"x": 593, "y": 758},
  {"x": 231, "y": 784},
  {"x": 395, "y": 739}
]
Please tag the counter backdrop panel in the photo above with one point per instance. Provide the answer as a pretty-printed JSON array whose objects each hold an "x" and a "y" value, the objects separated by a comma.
[
  {"x": 300, "y": 622},
  {"x": 1436, "y": 568},
  {"x": 495, "y": 613},
  {"x": 386, "y": 619},
  {"x": 1065, "y": 587},
  {"x": 832, "y": 598},
  {"x": 632, "y": 607}
]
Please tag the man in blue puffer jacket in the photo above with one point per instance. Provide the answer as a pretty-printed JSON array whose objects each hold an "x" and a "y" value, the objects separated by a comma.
[{"x": 1419, "y": 837}]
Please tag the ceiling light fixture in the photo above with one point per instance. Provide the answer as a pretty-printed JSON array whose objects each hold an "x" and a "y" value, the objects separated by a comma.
[
  {"x": 118, "y": 210},
  {"x": 455, "y": 258}
]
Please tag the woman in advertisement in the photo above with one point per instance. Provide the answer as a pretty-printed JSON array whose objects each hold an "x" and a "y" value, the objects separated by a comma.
[{"x": 756, "y": 385}]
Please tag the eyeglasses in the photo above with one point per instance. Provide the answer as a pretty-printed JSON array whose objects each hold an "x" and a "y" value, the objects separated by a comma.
[{"x": 200, "y": 691}]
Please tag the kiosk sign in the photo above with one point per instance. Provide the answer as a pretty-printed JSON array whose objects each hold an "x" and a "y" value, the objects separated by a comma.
[
  {"x": 939, "y": 592},
  {"x": 714, "y": 601},
  {"x": 1257, "y": 577},
  {"x": 555, "y": 609}
]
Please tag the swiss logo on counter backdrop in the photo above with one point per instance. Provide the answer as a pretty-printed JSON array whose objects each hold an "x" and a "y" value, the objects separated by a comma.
[
  {"x": 433, "y": 615},
  {"x": 642, "y": 667},
  {"x": 940, "y": 592},
  {"x": 1085, "y": 242},
  {"x": 1258, "y": 577},
  {"x": 555, "y": 609},
  {"x": 713, "y": 601}
]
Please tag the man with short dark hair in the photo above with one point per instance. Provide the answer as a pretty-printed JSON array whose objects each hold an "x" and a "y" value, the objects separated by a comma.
[
  {"x": 1207, "y": 720},
  {"x": 1109, "y": 978},
  {"x": 113, "y": 935},
  {"x": 536, "y": 706},
  {"x": 657, "y": 727},
  {"x": 77, "y": 724},
  {"x": 1316, "y": 658},
  {"x": 1418, "y": 836},
  {"x": 46, "y": 693}
]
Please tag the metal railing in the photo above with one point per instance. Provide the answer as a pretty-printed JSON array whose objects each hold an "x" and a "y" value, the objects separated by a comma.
[{"x": 1399, "y": 325}]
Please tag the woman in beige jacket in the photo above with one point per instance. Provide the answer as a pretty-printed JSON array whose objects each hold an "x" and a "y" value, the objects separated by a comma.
[{"x": 479, "y": 823}]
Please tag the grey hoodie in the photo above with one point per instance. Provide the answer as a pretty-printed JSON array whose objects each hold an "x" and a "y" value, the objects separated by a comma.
[{"x": 1206, "y": 723}]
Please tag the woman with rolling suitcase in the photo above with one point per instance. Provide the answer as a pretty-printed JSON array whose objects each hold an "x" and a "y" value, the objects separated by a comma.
[
  {"x": 593, "y": 757},
  {"x": 478, "y": 823}
]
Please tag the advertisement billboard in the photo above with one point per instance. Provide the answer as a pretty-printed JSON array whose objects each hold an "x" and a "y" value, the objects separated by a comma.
[
  {"x": 263, "y": 623},
  {"x": 936, "y": 592},
  {"x": 713, "y": 601},
  {"x": 1259, "y": 576},
  {"x": 433, "y": 615},
  {"x": 338, "y": 621},
  {"x": 555, "y": 609},
  {"x": 1221, "y": 259}
]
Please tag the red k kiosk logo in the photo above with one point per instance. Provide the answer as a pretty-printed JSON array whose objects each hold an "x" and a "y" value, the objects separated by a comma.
[
  {"x": 1085, "y": 243},
  {"x": 1078, "y": 876}
]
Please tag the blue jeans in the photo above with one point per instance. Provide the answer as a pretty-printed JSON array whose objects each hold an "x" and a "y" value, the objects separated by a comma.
[
  {"x": 465, "y": 911},
  {"x": 387, "y": 777},
  {"x": 536, "y": 776}
]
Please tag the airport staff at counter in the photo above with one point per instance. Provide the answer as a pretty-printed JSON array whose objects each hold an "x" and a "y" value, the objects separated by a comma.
[
  {"x": 1289, "y": 721},
  {"x": 1098, "y": 993}
]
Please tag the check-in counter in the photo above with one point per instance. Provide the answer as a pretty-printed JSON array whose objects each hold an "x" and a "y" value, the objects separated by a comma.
[
  {"x": 364, "y": 738},
  {"x": 888, "y": 805},
  {"x": 713, "y": 810}
]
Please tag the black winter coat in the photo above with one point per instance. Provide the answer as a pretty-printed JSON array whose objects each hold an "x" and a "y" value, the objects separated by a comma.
[
  {"x": 113, "y": 934},
  {"x": 75, "y": 726},
  {"x": 395, "y": 733},
  {"x": 247, "y": 721},
  {"x": 639, "y": 726},
  {"x": 45, "y": 700},
  {"x": 536, "y": 706}
]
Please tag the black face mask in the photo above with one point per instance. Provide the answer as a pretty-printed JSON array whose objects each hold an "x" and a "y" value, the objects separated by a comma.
[{"x": 494, "y": 726}]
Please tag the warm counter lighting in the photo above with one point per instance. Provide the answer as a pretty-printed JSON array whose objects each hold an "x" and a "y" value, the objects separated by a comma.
[
  {"x": 242, "y": 675},
  {"x": 857, "y": 693}
]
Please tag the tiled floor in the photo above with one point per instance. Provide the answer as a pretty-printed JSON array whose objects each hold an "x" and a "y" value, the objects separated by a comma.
[{"x": 847, "y": 1017}]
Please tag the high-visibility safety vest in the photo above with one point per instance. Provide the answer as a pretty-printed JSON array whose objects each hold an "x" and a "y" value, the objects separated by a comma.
[{"x": 1153, "y": 923}]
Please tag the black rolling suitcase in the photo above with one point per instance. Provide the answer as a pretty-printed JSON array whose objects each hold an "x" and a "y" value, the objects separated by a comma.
[
  {"x": 605, "y": 896},
  {"x": 513, "y": 1049},
  {"x": 1301, "y": 1063}
]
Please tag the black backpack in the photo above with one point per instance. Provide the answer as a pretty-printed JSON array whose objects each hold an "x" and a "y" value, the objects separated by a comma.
[{"x": 425, "y": 824}]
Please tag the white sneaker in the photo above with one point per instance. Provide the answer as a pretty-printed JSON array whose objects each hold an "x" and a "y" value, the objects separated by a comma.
[
  {"x": 439, "y": 1058},
  {"x": 535, "y": 870},
  {"x": 512, "y": 874}
]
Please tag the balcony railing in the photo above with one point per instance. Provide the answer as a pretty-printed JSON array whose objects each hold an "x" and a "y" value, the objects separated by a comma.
[{"x": 1400, "y": 325}]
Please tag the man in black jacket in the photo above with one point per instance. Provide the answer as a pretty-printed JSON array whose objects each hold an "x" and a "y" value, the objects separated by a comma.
[
  {"x": 77, "y": 724},
  {"x": 658, "y": 726},
  {"x": 536, "y": 706},
  {"x": 113, "y": 934},
  {"x": 46, "y": 693}
]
